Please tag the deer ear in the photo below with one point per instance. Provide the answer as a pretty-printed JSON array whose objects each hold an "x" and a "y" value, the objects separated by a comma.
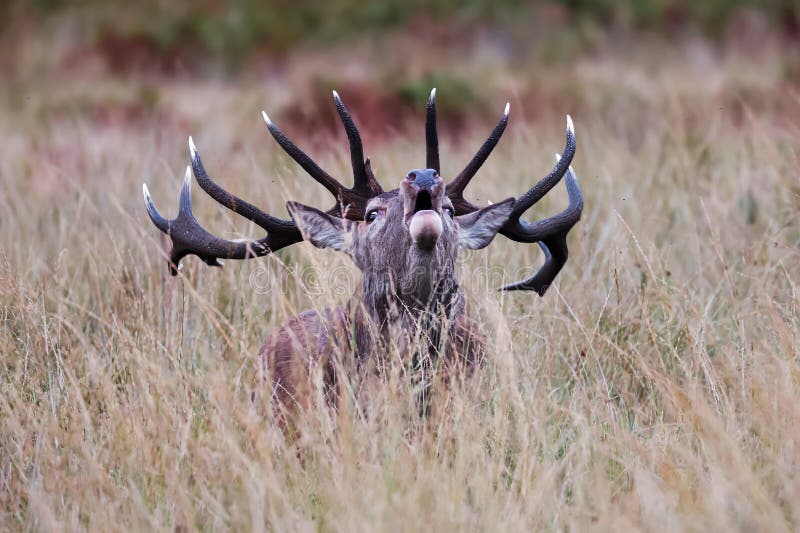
[
  {"x": 477, "y": 229},
  {"x": 320, "y": 229}
]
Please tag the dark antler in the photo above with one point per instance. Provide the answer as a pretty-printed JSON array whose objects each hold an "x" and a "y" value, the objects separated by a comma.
[
  {"x": 431, "y": 135},
  {"x": 455, "y": 189},
  {"x": 364, "y": 181},
  {"x": 189, "y": 237},
  {"x": 550, "y": 233},
  {"x": 352, "y": 202}
]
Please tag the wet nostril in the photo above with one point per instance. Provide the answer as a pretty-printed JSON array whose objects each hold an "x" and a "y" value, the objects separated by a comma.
[{"x": 422, "y": 179}]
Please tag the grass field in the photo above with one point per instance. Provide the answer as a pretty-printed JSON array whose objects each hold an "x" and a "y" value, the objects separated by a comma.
[{"x": 656, "y": 386}]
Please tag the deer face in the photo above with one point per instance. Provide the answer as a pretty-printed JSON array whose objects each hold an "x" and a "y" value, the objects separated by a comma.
[{"x": 409, "y": 238}]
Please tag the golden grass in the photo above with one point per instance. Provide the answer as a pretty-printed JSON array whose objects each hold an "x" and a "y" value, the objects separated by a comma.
[{"x": 656, "y": 386}]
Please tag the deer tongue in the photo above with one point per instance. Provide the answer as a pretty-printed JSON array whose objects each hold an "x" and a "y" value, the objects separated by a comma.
[{"x": 425, "y": 228}]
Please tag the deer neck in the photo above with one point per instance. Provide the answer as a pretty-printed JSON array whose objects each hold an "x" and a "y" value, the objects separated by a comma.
[{"x": 426, "y": 293}]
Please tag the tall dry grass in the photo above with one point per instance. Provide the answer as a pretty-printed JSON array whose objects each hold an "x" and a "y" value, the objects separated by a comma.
[{"x": 656, "y": 386}]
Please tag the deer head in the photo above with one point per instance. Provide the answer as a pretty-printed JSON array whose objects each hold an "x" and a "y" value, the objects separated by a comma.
[
  {"x": 407, "y": 243},
  {"x": 406, "y": 239}
]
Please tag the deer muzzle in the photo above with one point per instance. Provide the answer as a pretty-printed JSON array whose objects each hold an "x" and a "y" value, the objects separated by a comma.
[{"x": 422, "y": 192}]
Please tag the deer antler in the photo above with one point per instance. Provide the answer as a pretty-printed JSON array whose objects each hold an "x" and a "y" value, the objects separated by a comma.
[
  {"x": 350, "y": 202},
  {"x": 431, "y": 135},
  {"x": 551, "y": 232},
  {"x": 455, "y": 189},
  {"x": 189, "y": 237}
]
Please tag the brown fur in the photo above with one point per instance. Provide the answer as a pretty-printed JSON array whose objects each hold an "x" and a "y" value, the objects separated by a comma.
[{"x": 409, "y": 300}]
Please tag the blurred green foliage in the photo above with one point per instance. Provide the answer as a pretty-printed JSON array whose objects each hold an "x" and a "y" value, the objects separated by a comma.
[
  {"x": 230, "y": 31},
  {"x": 415, "y": 93}
]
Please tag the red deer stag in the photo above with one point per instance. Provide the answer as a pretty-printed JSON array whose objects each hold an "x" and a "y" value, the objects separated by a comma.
[{"x": 404, "y": 241}]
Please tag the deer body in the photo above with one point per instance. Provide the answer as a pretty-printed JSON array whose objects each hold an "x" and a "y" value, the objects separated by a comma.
[
  {"x": 406, "y": 248},
  {"x": 337, "y": 339},
  {"x": 404, "y": 241}
]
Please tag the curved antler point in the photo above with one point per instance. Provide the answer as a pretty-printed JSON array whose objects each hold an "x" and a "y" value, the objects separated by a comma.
[
  {"x": 570, "y": 126},
  {"x": 432, "y": 97},
  {"x": 266, "y": 118},
  {"x": 160, "y": 222},
  {"x": 507, "y": 110},
  {"x": 336, "y": 96}
]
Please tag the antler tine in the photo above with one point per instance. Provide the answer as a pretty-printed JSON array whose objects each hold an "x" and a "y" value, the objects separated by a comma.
[
  {"x": 189, "y": 237},
  {"x": 322, "y": 177},
  {"x": 537, "y": 192},
  {"x": 455, "y": 189},
  {"x": 551, "y": 233},
  {"x": 363, "y": 180},
  {"x": 233, "y": 202},
  {"x": 540, "y": 281},
  {"x": 159, "y": 221},
  {"x": 431, "y": 135}
]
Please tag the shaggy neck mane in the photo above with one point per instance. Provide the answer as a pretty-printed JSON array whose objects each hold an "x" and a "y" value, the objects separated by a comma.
[{"x": 432, "y": 300}]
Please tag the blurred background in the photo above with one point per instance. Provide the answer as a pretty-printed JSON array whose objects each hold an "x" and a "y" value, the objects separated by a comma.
[{"x": 111, "y": 61}]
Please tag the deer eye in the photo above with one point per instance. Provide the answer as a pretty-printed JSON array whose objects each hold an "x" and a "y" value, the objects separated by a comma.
[
  {"x": 450, "y": 212},
  {"x": 371, "y": 216}
]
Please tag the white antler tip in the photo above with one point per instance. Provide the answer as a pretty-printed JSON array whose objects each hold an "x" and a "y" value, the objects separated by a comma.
[
  {"x": 558, "y": 157},
  {"x": 507, "y": 110},
  {"x": 570, "y": 126},
  {"x": 192, "y": 148},
  {"x": 187, "y": 178},
  {"x": 145, "y": 192},
  {"x": 266, "y": 118},
  {"x": 433, "y": 93},
  {"x": 336, "y": 95}
]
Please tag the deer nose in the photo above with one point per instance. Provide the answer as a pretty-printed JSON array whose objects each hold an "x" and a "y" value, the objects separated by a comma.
[{"x": 424, "y": 179}]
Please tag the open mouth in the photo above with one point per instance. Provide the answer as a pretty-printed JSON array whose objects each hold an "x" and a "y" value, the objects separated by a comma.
[
  {"x": 425, "y": 221},
  {"x": 423, "y": 202}
]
